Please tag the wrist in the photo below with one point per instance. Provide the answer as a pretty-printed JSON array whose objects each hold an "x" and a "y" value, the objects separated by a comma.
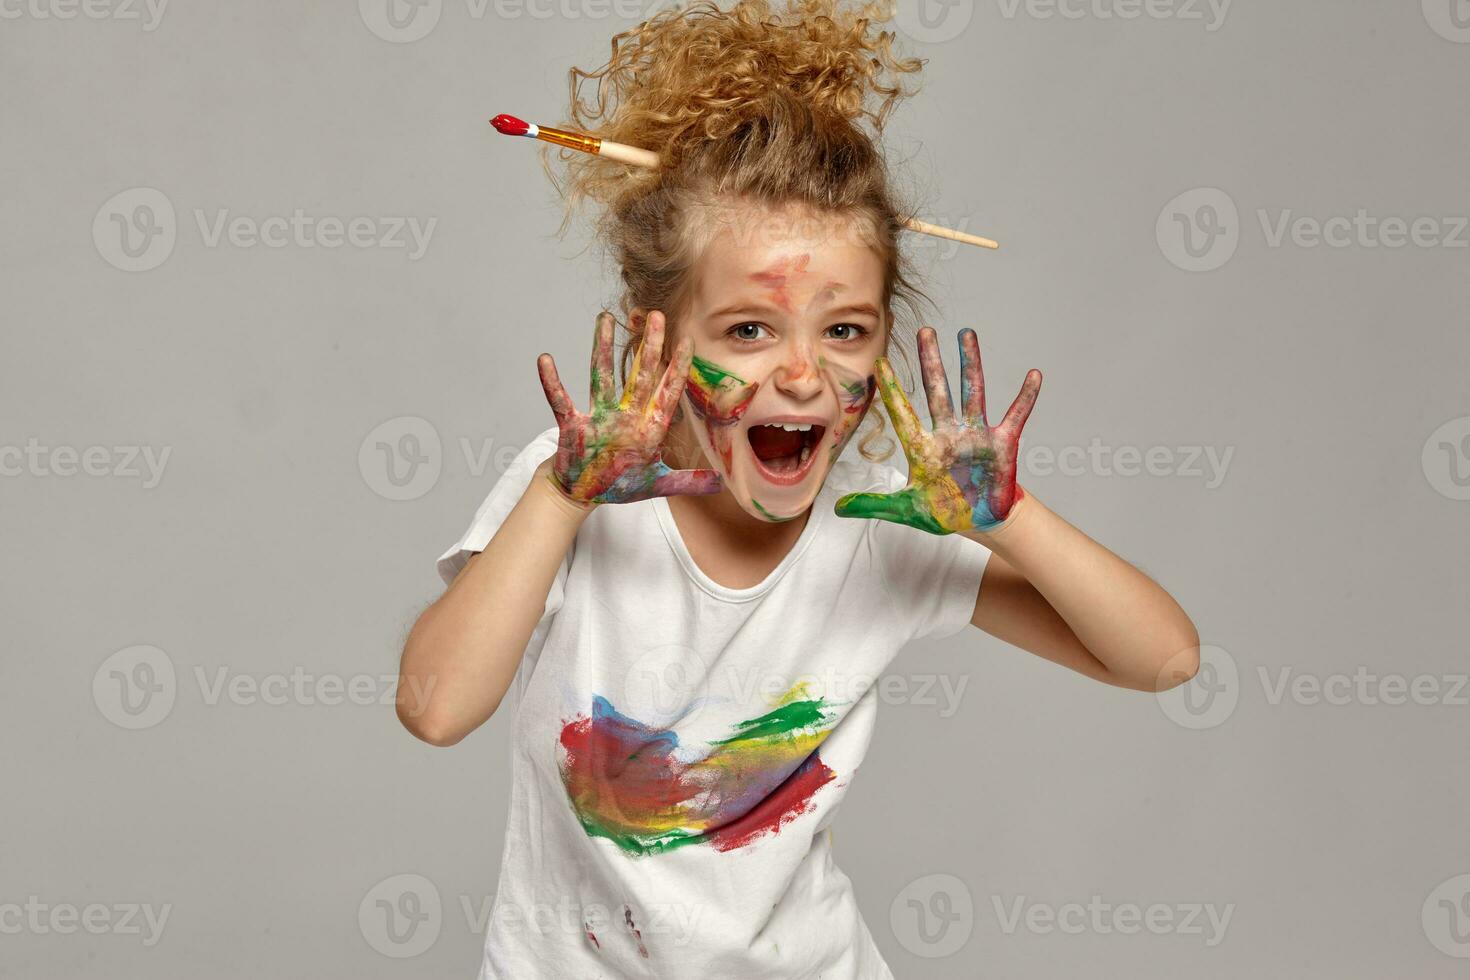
[
  {"x": 549, "y": 488},
  {"x": 1020, "y": 507}
]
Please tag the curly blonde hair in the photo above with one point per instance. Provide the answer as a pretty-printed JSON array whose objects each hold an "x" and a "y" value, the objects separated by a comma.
[{"x": 749, "y": 104}]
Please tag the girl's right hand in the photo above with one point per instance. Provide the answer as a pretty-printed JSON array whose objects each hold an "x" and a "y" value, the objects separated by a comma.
[{"x": 614, "y": 454}]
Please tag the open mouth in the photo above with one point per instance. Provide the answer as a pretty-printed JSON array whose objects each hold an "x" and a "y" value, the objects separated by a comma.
[{"x": 784, "y": 450}]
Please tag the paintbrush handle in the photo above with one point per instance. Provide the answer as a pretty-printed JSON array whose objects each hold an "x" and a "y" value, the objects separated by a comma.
[
  {"x": 914, "y": 224},
  {"x": 623, "y": 153},
  {"x": 639, "y": 157}
]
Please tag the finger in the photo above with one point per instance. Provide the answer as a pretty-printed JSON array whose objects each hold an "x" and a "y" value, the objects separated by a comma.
[
  {"x": 936, "y": 385},
  {"x": 905, "y": 421},
  {"x": 556, "y": 394},
  {"x": 603, "y": 390},
  {"x": 1020, "y": 409},
  {"x": 650, "y": 351},
  {"x": 904, "y": 507},
  {"x": 672, "y": 483},
  {"x": 972, "y": 378},
  {"x": 666, "y": 399}
]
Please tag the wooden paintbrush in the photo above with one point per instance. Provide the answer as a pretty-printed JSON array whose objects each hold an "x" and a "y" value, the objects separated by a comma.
[{"x": 511, "y": 126}]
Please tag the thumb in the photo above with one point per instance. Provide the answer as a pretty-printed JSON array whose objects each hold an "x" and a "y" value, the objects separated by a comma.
[
  {"x": 670, "y": 483},
  {"x": 904, "y": 507}
]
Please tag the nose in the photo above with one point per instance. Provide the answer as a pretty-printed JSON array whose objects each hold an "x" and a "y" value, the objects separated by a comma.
[{"x": 798, "y": 376}]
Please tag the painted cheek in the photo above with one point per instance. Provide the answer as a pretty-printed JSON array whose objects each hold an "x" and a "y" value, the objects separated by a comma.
[
  {"x": 855, "y": 393},
  {"x": 718, "y": 398}
]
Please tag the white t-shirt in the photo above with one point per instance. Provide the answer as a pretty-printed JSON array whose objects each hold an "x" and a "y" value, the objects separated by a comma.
[{"x": 680, "y": 747}]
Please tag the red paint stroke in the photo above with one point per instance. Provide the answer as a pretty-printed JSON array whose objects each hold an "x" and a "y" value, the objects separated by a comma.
[
  {"x": 788, "y": 801},
  {"x": 779, "y": 276},
  {"x": 628, "y": 918},
  {"x": 719, "y": 399}
]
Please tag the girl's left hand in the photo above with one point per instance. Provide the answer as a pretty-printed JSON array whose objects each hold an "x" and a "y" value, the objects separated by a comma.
[{"x": 962, "y": 474}]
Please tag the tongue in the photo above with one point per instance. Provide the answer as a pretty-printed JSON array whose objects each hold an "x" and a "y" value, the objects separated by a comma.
[{"x": 772, "y": 442}]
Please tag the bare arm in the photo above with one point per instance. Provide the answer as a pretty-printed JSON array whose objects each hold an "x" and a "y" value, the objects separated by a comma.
[
  {"x": 464, "y": 649},
  {"x": 1050, "y": 589}
]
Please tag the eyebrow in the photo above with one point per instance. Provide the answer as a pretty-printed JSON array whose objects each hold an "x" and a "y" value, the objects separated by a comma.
[{"x": 744, "y": 308}]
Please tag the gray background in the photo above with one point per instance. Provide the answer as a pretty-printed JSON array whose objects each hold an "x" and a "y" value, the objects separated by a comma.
[{"x": 1334, "y": 543}]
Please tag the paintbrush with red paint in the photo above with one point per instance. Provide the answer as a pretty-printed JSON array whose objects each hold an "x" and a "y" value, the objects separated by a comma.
[{"x": 638, "y": 157}]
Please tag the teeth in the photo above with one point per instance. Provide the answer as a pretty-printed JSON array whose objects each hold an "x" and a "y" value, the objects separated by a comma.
[
  {"x": 792, "y": 426},
  {"x": 805, "y": 452}
]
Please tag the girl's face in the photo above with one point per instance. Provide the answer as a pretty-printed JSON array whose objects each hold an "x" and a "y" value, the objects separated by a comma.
[{"x": 786, "y": 328}]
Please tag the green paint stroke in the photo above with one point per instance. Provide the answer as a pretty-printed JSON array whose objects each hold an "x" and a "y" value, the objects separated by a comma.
[
  {"x": 640, "y": 846},
  {"x": 711, "y": 374},
  {"x": 780, "y": 725},
  {"x": 901, "y": 508},
  {"x": 770, "y": 515},
  {"x": 856, "y": 389}
]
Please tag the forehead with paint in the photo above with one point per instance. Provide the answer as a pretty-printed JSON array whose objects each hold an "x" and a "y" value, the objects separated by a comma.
[{"x": 787, "y": 318}]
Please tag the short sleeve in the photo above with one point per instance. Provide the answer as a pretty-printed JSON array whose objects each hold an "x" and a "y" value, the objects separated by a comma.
[
  {"x": 492, "y": 513},
  {"x": 933, "y": 578}
]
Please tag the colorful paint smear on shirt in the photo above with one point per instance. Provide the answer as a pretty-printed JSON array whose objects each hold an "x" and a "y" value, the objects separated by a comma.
[{"x": 628, "y": 782}]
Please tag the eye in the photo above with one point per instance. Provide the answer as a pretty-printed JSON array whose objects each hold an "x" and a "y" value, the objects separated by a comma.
[
  {"x": 746, "y": 331},
  {"x": 848, "y": 331}
]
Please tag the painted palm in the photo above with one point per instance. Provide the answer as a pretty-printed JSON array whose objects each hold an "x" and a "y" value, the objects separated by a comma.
[
  {"x": 611, "y": 454},
  {"x": 962, "y": 473}
]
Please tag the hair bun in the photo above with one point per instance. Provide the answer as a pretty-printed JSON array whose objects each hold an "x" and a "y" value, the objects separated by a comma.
[{"x": 697, "y": 74}]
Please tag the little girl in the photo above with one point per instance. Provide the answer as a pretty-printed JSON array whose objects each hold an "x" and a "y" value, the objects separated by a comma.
[{"x": 691, "y": 590}]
